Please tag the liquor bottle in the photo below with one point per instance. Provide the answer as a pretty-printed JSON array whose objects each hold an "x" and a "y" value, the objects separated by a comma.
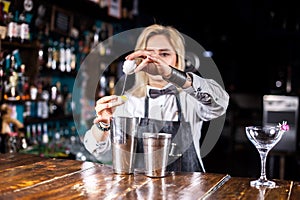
[
  {"x": 19, "y": 68},
  {"x": 23, "y": 29},
  {"x": 39, "y": 102},
  {"x": 12, "y": 92},
  {"x": 39, "y": 133},
  {"x": 57, "y": 139},
  {"x": 1, "y": 82},
  {"x": 17, "y": 60},
  {"x": 27, "y": 109},
  {"x": 55, "y": 55},
  {"x": 41, "y": 60},
  {"x": 50, "y": 129},
  {"x": 45, "y": 139},
  {"x": 44, "y": 148},
  {"x": 62, "y": 56},
  {"x": 50, "y": 54},
  {"x": 73, "y": 56},
  {"x": 26, "y": 88},
  {"x": 12, "y": 28},
  {"x": 56, "y": 101},
  {"x": 28, "y": 136},
  {"x": 43, "y": 106},
  {"x": 68, "y": 55},
  {"x": 59, "y": 101},
  {"x": 97, "y": 34},
  {"x": 68, "y": 104},
  {"x": 34, "y": 135},
  {"x": 25, "y": 20},
  {"x": 52, "y": 106}
]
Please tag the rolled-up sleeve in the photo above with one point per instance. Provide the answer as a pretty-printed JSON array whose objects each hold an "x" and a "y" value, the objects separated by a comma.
[{"x": 211, "y": 97}]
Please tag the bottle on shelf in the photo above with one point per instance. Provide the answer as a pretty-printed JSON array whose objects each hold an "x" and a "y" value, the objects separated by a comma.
[
  {"x": 49, "y": 54},
  {"x": 45, "y": 139},
  {"x": 12, "y": 28},
  {"x": 55, "y": 56},
  {"x": 34, "y": 139},
  {"x": 68, "y": 55},
  {"x": 1, "y": 82},
  {"x": 62, "y": 56},
  {"x": 23, "y": 29},
  {"x": 56, "y": 101},
  {"x": 11, "y": 92},
  {"x": 25, "y": 88},
  {"x": 42, "y": 101},
  {"x": 73, "y": 61},
  {"x": 39, "y": 134}
]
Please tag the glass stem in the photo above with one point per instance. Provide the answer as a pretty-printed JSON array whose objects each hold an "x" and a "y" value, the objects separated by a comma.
[{"x": 263, "y": 159}]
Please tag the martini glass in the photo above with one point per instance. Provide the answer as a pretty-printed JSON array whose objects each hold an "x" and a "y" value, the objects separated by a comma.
[{"x": 264, "y": 139}]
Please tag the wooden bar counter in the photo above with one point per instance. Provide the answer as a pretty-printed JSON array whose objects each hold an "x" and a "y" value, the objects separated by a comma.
[{"x": 26, "y": 176}]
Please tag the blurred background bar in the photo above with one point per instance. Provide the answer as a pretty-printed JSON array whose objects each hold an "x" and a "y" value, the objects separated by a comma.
[{"x": 255, "y": 45}]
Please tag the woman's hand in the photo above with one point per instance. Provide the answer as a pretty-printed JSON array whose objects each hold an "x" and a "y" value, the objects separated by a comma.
[
  {"x": 105, "y": 108},
  {"x": 151, "y": 63}
]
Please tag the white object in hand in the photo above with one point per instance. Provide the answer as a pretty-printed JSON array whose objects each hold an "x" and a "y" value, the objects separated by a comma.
[{"x": 129, "y": 66}]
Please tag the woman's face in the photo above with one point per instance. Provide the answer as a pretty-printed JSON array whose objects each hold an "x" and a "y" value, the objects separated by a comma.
[{"x": 160, "y": 45}]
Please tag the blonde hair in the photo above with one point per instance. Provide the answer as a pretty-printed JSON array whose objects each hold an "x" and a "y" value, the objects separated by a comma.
[{"x": 177, "y": 42}]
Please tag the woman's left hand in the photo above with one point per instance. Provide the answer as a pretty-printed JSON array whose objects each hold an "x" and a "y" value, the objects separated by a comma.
[{"x": 151, "y": 63}]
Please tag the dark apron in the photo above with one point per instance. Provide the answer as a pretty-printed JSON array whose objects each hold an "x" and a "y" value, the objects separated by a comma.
[{"x": 184, "y": 157}]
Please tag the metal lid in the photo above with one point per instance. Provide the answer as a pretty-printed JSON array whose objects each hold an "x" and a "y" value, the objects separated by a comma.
[{"x": 157, "y": 135}]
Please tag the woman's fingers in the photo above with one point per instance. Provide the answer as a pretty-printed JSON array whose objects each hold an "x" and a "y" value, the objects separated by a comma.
[
  {"x": 106, "y": 99},
  {"x": 138, "y": 54},
  {"x": 142, "y": 65},
  {"x": 105, "y": 103},
  {"x": 108, "y": 105},
  {"x": 105, "y": 107}
]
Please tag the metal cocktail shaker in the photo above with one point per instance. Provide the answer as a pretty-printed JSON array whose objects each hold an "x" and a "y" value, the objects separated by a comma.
[
  {"x": 124, "y": 143},
  {"x": 156, "y": 151}
]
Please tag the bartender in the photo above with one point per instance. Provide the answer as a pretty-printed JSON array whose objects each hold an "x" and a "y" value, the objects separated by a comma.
[{"x": 164, "y": 96}]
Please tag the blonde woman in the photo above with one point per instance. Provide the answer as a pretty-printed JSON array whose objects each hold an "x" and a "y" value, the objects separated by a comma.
[{"x": 159, "y": 55}]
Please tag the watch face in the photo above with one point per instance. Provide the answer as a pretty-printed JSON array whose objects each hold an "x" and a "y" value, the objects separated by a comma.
[{"x": 28, "y": 5}]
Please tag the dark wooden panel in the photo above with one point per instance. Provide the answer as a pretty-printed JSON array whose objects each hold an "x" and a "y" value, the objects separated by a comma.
[
  {"x": 239, "y": 188},
  {"x": 179, "y": 186},
  {"x": 45, "y": 171},
  {"x": 84, "y": 183},
  {"x": 14, "y": 160},
  {"x": 100, "y": 181},
  {"x": 68, "y": 179},
  {"x": 24, "y": 176}
]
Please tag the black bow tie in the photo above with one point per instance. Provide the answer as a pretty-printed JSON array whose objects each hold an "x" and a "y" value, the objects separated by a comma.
[{"x": 153, "y": 93}]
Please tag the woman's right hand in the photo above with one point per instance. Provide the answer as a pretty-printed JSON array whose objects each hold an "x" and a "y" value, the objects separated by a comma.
[{"x": 105, "y": 107}]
